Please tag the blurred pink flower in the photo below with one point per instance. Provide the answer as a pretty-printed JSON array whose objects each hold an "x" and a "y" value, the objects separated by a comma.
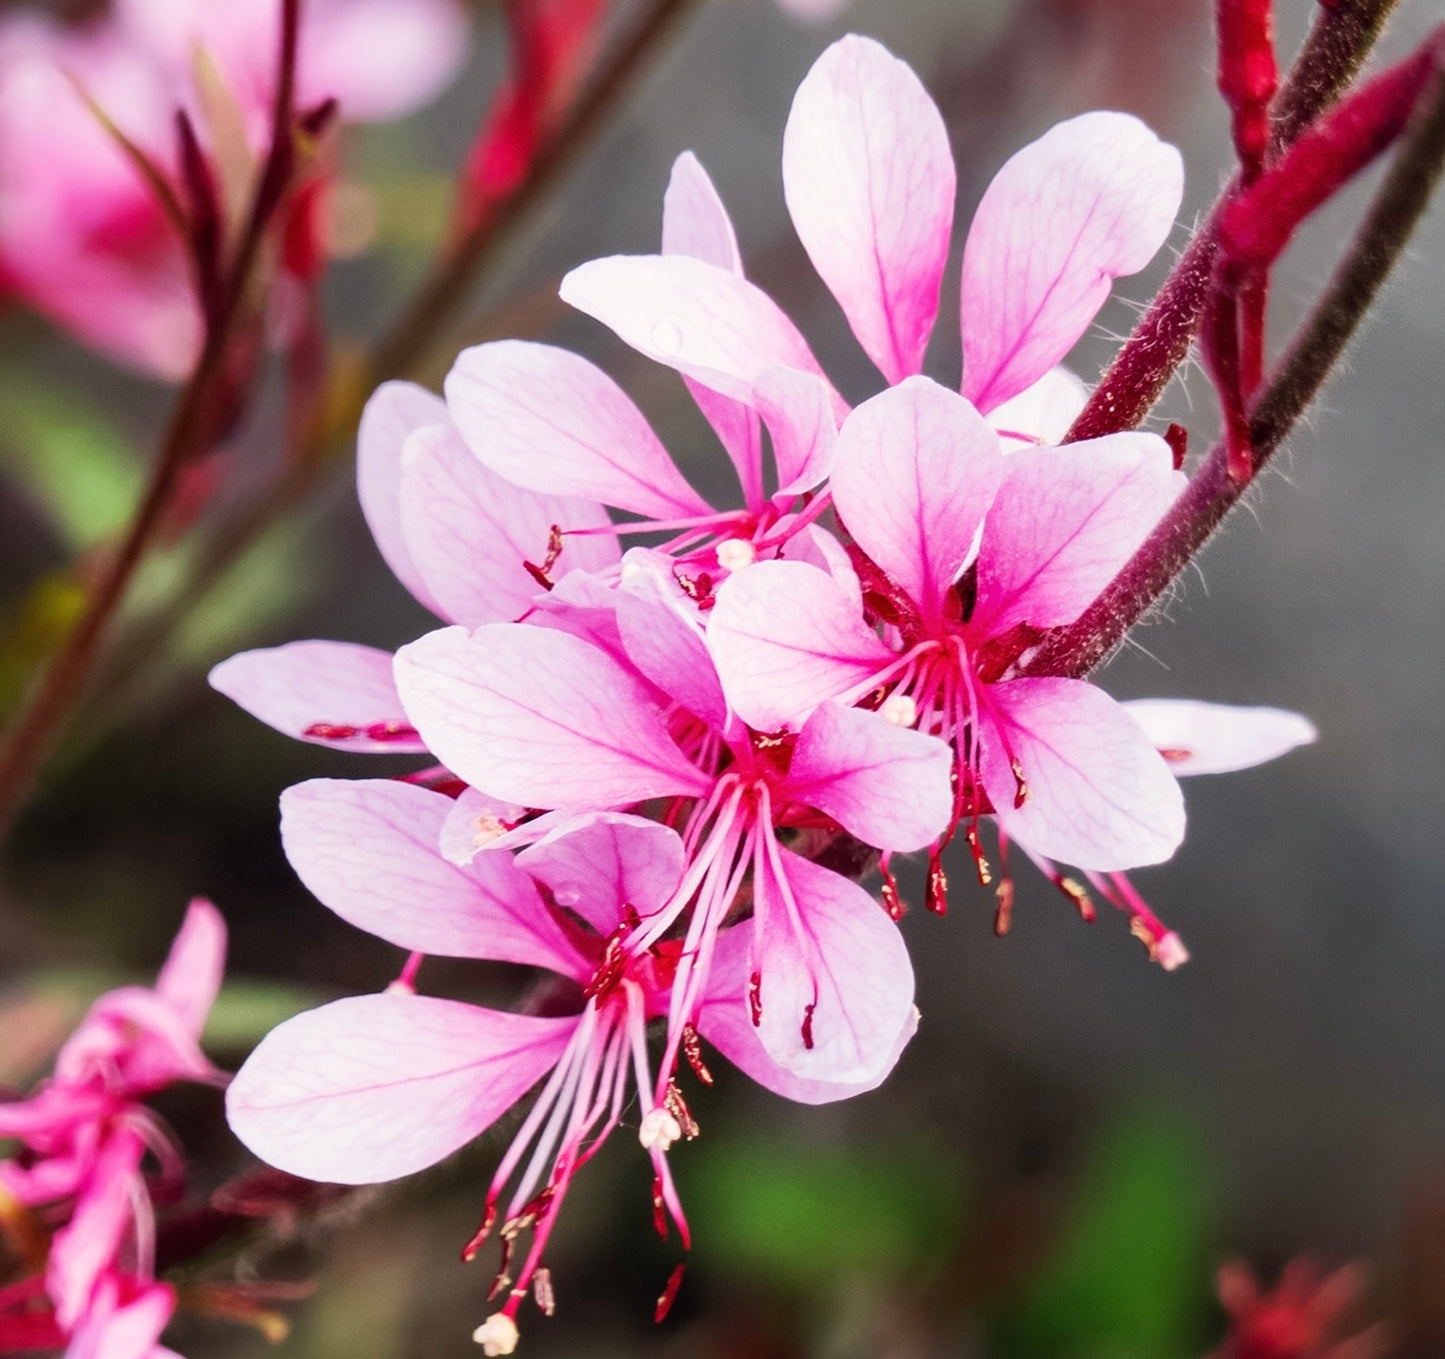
[
  {"x": 86, "y": 1134},
  {"x": 82, "y": 236}
]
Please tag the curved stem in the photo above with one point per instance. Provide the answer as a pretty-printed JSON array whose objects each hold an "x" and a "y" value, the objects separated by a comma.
[{"x": 1402, "y": 198}]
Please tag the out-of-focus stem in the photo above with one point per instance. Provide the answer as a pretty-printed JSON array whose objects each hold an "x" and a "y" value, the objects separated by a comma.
[
  {"x": 1402, "y": 198},
  {"x": 206, "y": 406},
  {"x": 1341, "y": 38}
]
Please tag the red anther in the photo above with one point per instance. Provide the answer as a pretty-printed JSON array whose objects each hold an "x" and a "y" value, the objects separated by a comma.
[
  {"x": 539, "y": 575},
  {"x": 664, "y": 1303},
  {"x": 807, "y": 1027},
  {"x": 1021, "y": 787},
  {"x": 980, "y": 862},
  {"x": 937, "y": 899},
  {"x": 755, "y": 998},
  {"x": 1247, "y": 76},
  {"x": 697, "y": 588},
  {"x": 892, "y": 902},
  {"x": 659, "y": 1208},
  {"x": 692, "y": 1050},
  {"x": 474, "y": 1246},
  {"x": 1003, "y": 915},
  {"x": 503, "y": 1281},
  {"x": 331, "y": 731},
  {"x": 390, "y": 731},
  {"x": 542, "y": 1291},
  {"x": 1083, "y": 903},
  {"x": 1175, "y": 754},
  {"x": 1177, "y": 437},
  {"x": 674, "y": 1103},
  {"x": 612, "y": 965}
]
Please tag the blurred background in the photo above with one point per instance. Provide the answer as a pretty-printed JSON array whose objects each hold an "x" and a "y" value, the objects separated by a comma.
[{"x": 1076, "y": 1140}]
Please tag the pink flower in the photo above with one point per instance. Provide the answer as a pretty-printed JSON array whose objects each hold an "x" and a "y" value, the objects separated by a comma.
[
  {"x": 87, "y": 1133},
  {"x": 376, "y": 1087},
  {"x": 82, "y": 237}
]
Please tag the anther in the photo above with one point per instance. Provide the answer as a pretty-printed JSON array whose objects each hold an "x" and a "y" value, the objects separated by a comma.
[
  {"x": 1074, "y": 890},
  {"x": 479, "y": 1239},
  {"x": 1003, "y": 916},
  {"x": 542, "y": 1292},
  {"x": 899, "y": 710},
  {"x": 1021, "y": 787},
  {"x": 659, "y": 1208},
  {"x": 985, "y": 874},
  {"x": 937, "y": 900},
  {"x": 677, "y": 1107},
  {"x": 486, "y": 828},
  {"x": 542, "y": 574},
  {"x": 664, "y": 1303},
  {"x": 892, "y": 902},
  {"x": 808, "y": 1024},
  {"x": 755, "y": 998},
  {"x": 497, "y": 1334},
  {"x": 734, "y": 554},
  {"x": 692, "y": 1050}
]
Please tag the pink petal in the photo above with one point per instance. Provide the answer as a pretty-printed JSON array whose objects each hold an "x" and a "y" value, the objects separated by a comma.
[
  {"x": 470, "y": 531},
  {"x": 395, "y": 411},
  {"x": 190, "y": 977},
  {"x": 1040, "y": 414},
  {"x": 1098, "y": 794},
  {"x": 664, "y": 640},
  {"x": 889, "y": 786},
  {"x": 707, "y": 323},
  {"x": 916, "y": 470},
  {"x": 836, "y": 986},
  {"x": 799, "y": 411},
  {"x": 787, "y": 637},
  {"x": 1064, "y": 521},
  {"x": 724, "y": 1022},
  {"x": 817, "y": 547},
  {"x": 369, "y": 850},
  {"x": 108, "y": 1331},
  {"x": 1092, "y": 200},
  {"x": 601, "y": 863},
  {"x": 1216, "y": 738},
  {"x": 476, "y": 822},
  {"x": 333, "y": 693},
  {"x": 541, "y": 718},
  {"x": 869, "y": 181},
  {"x": 549, "y": 420},
  {"x": 375, "y": 1087}
]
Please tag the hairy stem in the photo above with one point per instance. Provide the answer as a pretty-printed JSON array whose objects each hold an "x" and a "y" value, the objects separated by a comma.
[
  {"x": 1402, "y": 198},
  {"x": 1341, "y": 38}
]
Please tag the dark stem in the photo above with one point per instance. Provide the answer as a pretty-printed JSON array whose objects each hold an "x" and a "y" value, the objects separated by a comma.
[
  {"x": 207, "y": 405},
  {"x": 1334, "y": 51},
  {"x": 447, "y": 286},
  {"x": 1402, "y": 198}
]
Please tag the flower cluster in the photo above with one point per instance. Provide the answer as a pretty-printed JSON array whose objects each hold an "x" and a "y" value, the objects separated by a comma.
[
  {"x": 85, "y": 1136},
  {"x": 84, "y": 235},
  {"x": 658, "y": 771}
]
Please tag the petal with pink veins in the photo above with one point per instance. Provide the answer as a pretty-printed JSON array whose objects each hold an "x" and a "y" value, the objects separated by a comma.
[
  {"x": 549, "y": 420},
  {"x": 1094, "y": 792},
  {"x": 1218, "y": 738},
  {"x": 375, "y": 1087},
  {"x": 394, "y": 412},
  {"x": 915, "y": 473},
  {"x": 869, "y": 181},
  {"x": 470, "y": 531},
  {"x": 337, "y": 694},
  {"x": 889, "y": 786},
  {"x": 705, "y": 322},
  {"x": 787, "y": 637},
  {"x": 1063, "y": 523},
  {"x": 1090, "y": 201},
  {"x": 541, "y": 718},
  {"x": 835, "y": 986},
  {"x": 601, "y": 863},
  {"x": 368, "y": 849},
  {"x": 799, "y": 414}
]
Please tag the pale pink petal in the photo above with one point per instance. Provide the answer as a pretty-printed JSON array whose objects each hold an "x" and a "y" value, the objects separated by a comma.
[
  {"x": 381, "y": 59},
  {"x": 707, "y": 323},
  {"x": 333, "y": 693},
  {"x": 725, "y": 1023},
  {"x": 586, "y": 607},
  {"x": 541, "y": 718},
  {"x": 869, "y": 182},
  {"x": 1063, "y": 523},
  {"x": 817, "y": 547},
  {"x": 476, "y": 822},
  {"x": 1040, "y": 414},
  {"x": 394, "y": 412},
  {"x": 1091, "y": 201},
  {"x": 108, "y": 1331},
  {"x": 799, "y": 411},
  {"x": 549, "y": 420},
  {"x": 1217, "y": 738},
  {"x": 190, "y": 977},
  {"x": 470, "y": 531},
  {"x": 835, "y": 987},
  {"x": 887, "y": 785},
  {"x": 787, "y": 637},
  {"x": 916, "y": 470},
  {"x": 375, "y": 1087},
  {"x": 695, "y": 223},
  {"x": 663, "y": 638},
  {"x": 601, "y": 863},
  {"x": 1095, "y": 792},
  {"x": 369, "y": 850}
]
